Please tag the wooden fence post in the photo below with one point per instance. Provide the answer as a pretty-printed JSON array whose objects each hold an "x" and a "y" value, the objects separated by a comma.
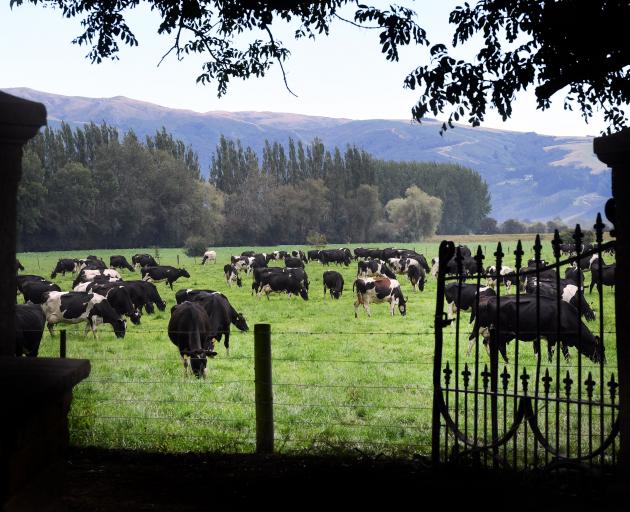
[
  {"x": 62, "y": 344},
  {"x": 264, "y": 390}
]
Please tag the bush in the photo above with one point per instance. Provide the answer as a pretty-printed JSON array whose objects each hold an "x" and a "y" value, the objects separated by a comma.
[
  {"x": 316, "y": 239},
  {"x": 195, "y": 246}
]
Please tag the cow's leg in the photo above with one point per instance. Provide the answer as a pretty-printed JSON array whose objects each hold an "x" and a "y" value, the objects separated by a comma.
[
  {"x": 590, "y": 290},
  {"x": 226, "y": 342},
  {"x": 356, "y": 308},
  {"x": 185, "y": 361},
  {"x": 324, "y": 292},
  {"x": 51, "y": 326},
  {"x": 366, "y": 306}
]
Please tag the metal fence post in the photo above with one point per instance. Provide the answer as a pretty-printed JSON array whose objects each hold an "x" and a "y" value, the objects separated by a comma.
[
  {"x": 62, "y": 344},
  {"x": 178, "y": 260},
  {"x": 264, "y": 390}
]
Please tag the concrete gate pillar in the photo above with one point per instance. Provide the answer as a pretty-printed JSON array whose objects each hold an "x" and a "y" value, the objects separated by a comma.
[
  {"x": 19, "y": 121},
  {"x": 614, "y": 151}
]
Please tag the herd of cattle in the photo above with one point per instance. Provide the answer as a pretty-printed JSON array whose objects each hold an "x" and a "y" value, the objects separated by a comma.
[{"x": 201, "y": 318}]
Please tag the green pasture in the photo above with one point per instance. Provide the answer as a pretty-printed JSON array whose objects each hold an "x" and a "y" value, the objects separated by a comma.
[{"x": 340, "y": 383}]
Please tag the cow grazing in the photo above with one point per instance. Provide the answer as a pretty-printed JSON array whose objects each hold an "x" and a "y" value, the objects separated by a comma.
[
  {"x": 76, "y": 307},
  {"x": 24, "y": 278},
  {"x": 143, "y": 260},
  {"x": 86, "y": 275},
  {"x": 601, "y": 275},
  {"x": 189, "y": 330},
  {"x": 374, "y": 267},
  {"x": 18, "y": 265},
  {"x": 371, "y": 290},
  {"x": 569, "y": 292},
  {"x": 283, "y": 282},
  {"x": 464, "y": 297},
  {"x": 209, "y": 256},
  {"x": 417, "y": 277},
  {"x": 93, "y": 263},
  {"x": 313, "y": 255},
  {"x": 261, "y": 275},
  {"x": 506, "y": 275},
  {"x": 189, "y": 294},
  {"x": 338, "y": 256},
  {"x": 572, "y": 332},
  {"x": 293, "y": 262},
  {"x": 65, "y": 265},
  {"x": 119, "y": 261},
  {"x": 29, "y": 328},
  {"x": 35, "y": 291},
  {"x": 163, "y": 273},
  {"x": 231, "y": 275},
  {"x": 120, "y": 299},
  {"x": 221, "y": 315},
  {"x": 143, "y": 295},
  {"x": 333, "y": 281}
]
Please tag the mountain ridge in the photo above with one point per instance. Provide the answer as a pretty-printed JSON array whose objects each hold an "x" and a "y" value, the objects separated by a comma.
[{"x": 530, "y": 176}]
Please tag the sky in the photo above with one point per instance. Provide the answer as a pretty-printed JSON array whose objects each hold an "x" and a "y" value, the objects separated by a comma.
[{"x": 342, "y": 75}]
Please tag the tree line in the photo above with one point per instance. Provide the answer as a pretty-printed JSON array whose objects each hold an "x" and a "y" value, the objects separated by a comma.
[{"x": 91, "y": 187}]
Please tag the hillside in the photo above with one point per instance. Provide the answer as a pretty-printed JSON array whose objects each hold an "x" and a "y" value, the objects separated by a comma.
[{"x": 530, "y": 176}]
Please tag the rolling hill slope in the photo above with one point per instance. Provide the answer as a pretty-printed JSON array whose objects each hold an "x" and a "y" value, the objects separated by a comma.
[{"x": 530, "y": 176}]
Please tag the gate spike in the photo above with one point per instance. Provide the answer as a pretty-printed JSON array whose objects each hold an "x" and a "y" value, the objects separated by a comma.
[
  {"x": 524, "y": 380},
  {"x": 577, "y": 237},
  {"x": 505, "y": 378},
  {"x": 590, "y": 385},
  {"x": 466, "y": 373},
  {"x": 479, "y": 257},
  {"x": 599, "y": 229},
  {"x": 447, "y": 374},
  {"x": 555, "y": 243},
  {"x": 499, "y": 258},
  {"x": 612, "y": 386},
  {"x": 547, "y": 380},
  {"x": 568, "y": 381},
  {"x": 485, "y": 374},
  {"x": 519, "y": 255},
  {"x": 537, "y": 249}
]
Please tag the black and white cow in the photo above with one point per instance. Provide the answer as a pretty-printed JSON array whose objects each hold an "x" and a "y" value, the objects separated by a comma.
[
  {"x": 189, "y": 330},
  {"x": 601, "y": 275},
  {"x": 163, "y": 273},
  {"x": 119, "y": 298},
  {"x": 417, "y": 277},
  {"x": 76, "y": 307},
  {"x": 261, "y": 276},
  {"x": 231, "y": 275},
  {"x": 143, "y": 295},
  {"x": 86, "y": 275},
  {"x": 119, "y": 261},
  {"x": 338, "y": 256},
  {"x": 291, "y": 262},
  {"x": 574, "y": 274},
  {"x": 65, "y": 265},
  {"x": 333, "y": 281},
  {"x": 93, "y": 263},
  {"x": 313, "y": 255},
  {"x": 35, "y": 291},
  {"x": 29, "y": 328},
  {"x": 569, "y": 292},
  {"x": 370, "y": 290},
  {"x": 507, "y": 276},
  {"x": 24, "y": 278},
  {"x": 283, "y": 282},
  {"x": 221, "y": 314},
  {"x": 464, "y": 298},
  {"x": 298, "y": 254},
  {"x": 374, "y": 267},
  {"x": 189, "y": 294},
  {"x": 143, "y": 260},
  {"x": 569, "y": 334},
  {"x": 209, "y": 256}
]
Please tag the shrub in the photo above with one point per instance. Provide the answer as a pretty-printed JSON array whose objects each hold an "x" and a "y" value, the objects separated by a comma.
[
  {"x": 317, "y": 239},
  {"x": 195, "y": 246}
]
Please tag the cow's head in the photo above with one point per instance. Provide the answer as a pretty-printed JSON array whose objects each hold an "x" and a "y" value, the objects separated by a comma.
[
  {"x": 198, "y": 360},
  {"x": 240, "y": 322},
  {"x": 402, "y": 302},
  {"x": 304, "y": 292},
  {"x": 239, "y": 281},
  {"x": 135, "y": 317},
  {"x": 183, "y": 272},
  {"x": 335, "y": 293}
]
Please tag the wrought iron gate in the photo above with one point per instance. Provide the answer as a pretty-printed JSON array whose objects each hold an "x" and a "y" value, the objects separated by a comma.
[{"x": 513, "y": 406}]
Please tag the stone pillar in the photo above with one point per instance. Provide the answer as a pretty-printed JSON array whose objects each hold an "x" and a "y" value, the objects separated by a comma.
[
  {"x": 614, "y": 151},
  {"x": 19, "y": 121}
]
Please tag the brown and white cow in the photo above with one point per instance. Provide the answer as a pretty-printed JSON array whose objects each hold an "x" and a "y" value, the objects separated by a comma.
[{"x": 370, "y": 290}]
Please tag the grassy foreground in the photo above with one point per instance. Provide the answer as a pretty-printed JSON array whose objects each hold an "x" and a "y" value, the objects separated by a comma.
[{"x": 340, "y": 383}]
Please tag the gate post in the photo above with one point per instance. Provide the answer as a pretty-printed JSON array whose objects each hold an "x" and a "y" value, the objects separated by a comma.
[
  {"x": 264, "y": 390},
  {"x": 614, "y": 151},
  {"x": 19, "y": 121}
]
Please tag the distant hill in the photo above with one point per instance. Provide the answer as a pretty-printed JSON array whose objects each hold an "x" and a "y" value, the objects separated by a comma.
[{"x": 530, "y": 176}]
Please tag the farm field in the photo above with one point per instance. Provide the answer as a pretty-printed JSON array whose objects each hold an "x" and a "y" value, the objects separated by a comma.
[{"x": 340, "y": 384}]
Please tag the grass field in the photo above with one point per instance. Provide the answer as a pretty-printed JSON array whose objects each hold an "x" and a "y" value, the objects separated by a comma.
[{"x": 340, "y": 383}]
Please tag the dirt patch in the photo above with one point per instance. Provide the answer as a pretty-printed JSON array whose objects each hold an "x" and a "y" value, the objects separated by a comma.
[{"x": 100, "y": 481}]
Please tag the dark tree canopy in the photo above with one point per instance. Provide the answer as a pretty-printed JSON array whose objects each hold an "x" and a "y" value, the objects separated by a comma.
[{"x": 577, "y": 46}]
